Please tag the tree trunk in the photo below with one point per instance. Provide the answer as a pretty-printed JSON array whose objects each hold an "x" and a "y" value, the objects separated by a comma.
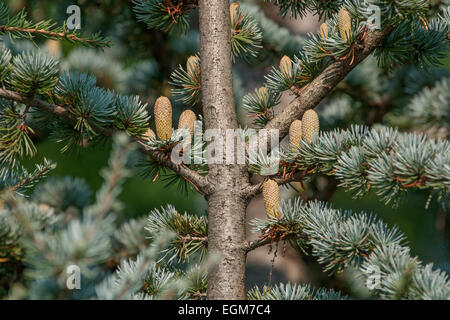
[{"x": 226, "y": 205}]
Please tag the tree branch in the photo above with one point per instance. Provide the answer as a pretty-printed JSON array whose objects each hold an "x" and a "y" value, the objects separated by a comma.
[
  {"x": 254, "y": 189},
  {"x": 199, "y": 182},
  {"x": 322, "y": 85},
  {"x": 255, "y": 244},
  {"x": 319, "y": 88}
]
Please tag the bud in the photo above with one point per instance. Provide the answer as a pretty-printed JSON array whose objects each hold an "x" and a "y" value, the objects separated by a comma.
[
  {"x": 345, "y": 23},
  {"x": 187, "y": 120},
  {"x": 163, "y": 118},
  {"x": 324, "y": 31},
  {"x": 310, "y": 124},
  {"x": 271, "y": 196},
  {"x": 262, "y": 92},
  {"x": 286, "y": 66},
  {"x": 191, "y": 66},
  {"x": 295, "y": 134},
  {"x": 234, "y": 9},
  {"x": 149, "y": 134}
]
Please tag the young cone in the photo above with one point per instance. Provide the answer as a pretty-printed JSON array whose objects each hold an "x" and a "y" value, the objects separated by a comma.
[
  {"x": 324, "y": 31},
  {"x": 191, "y": 66},
  {"x": 271, "y": 196},
  {"x": 149, "y": 134},
  {"x": 187, "y": 120},
  {"x": 295, "y": 134},
  {"x": 286, "y": 66},
  {"x": 345, "y": 24},
  {"x": 262, "y": 92},
  {"x": 233, "y": 10},
  {"x": 163, "y": 118},
  {"x": 310, "y": 125}
]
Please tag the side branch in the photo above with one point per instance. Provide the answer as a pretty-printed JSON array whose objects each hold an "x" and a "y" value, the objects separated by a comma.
[
  {"x": 255, "y": 244},
  {"x": 321, "y": 86},
  {"x": 199, "y": 182},
  {"x": 56, "y": 35},
  {"x": 38, "y": 103},
  {"x": 254, "y": 189}
]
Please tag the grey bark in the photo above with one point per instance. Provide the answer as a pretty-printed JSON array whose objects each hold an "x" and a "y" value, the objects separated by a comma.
[{"x": 226, "y": 204}]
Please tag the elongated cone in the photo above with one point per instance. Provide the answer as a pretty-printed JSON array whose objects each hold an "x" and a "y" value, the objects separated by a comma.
[
  {"x": 271, "y": 196},
  {"x": 310, "y": 125},
  {"x": 149, "y": 134},
  {"x": 324, "y": 31},
  {"x": 187, "y": 120},
  {"x": 345, "y": 24},
  {"x": 233, "y": 10},
  {"x": 286, "y": 66},
  {"x": 295, "y": 134},
  {"x": 163, "y": 118},
  {"x": 191, "y": 66}
]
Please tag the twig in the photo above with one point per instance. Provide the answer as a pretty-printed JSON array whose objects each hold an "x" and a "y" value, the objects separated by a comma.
[{"x": 201, "y": 182}]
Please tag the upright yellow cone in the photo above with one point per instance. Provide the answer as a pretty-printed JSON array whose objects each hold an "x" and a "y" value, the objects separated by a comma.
[
  {"x": 295, "y": 134},
  {"x": 310, "y": 125},
  {"x": 163, "y": 118},
  {"x": 345, "y": 24},
  {"x": 191, "y": 66},
  {"x": 187, "y": 120},
  {"x": 271, "y": 196},
  {"x": 286, "y": 66},
  {"x": 323, "y": 31}
]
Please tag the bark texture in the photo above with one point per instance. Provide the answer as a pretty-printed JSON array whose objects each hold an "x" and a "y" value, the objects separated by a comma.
[{"x": 226, "y": 204}]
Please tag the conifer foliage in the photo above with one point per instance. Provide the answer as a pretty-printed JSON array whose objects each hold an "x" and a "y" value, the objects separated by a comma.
[{"x": 366, "y": 135}]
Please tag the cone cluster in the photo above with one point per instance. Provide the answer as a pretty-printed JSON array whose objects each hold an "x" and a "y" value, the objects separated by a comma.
[
  {"x": 286, "y": 66},
  {"x": 345, "y": 24},
  {"x": 271, "y": 195},
  {"x": 163, "y": 118},
  {"x": 310, "y": 125}
]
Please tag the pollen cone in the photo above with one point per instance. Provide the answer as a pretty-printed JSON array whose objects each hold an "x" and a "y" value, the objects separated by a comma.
[
  {"x": 295, "y": 134},
  {"x": 163, "y": 118},
  {"x": 324, "y": 30},
  {"x": 187, "y": 120},
  {"x": 149, "y": 134},
  {"x": 191, "y": 66},
  {"x": 286, "y": 66},
  {"x": 233, "y": 9},
  {"x": 271, "y": 196},
  {"x": 345, "y": 24},
  {"x": 310, "y": 125}
]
